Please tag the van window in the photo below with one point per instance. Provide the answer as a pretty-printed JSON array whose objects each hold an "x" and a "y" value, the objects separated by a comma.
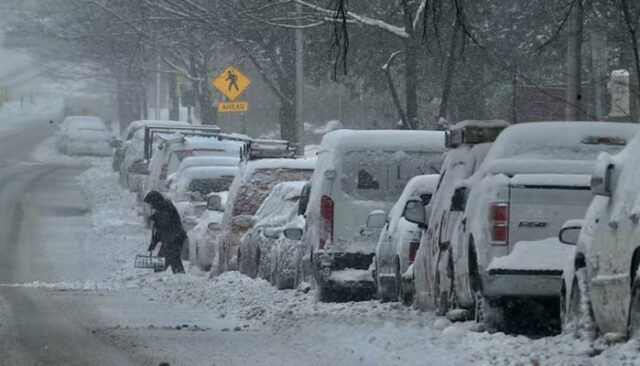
[{"x": 382, "y": 175}]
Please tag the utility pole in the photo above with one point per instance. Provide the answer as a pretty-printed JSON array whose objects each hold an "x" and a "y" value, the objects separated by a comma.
[
  {"x": 574, "y": 64},
  {"x": 299, "y": 83},
  {"x": 158, "y": 88}
]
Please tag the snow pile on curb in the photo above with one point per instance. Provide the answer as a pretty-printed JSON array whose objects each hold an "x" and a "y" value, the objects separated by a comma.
[
  {"x": 255, "y": 301},
  {"x": 118, "y": 231}
]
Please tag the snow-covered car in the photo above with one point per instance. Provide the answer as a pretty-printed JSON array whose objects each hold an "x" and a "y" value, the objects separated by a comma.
[
  {"x": 192, "y": 187},
  {"x": 273, "y": 214},
  {"x": 358, "y": 172},
  {"x": 173, "y": 148},
  {"x": 252, "y": 185},
  {"x": 84, "y": 135},
  {"x": 127, "y": 138},
  {"x": 601, "y": 282},
  {"x": 534, "y": 178},
  {"x": 128, "y": 158},
  {"x": 200, "y": 161},
  {"x": 399, "y": 242},
  {"x": 203, "y": 237},
  {"x": 469, "y": 142}
]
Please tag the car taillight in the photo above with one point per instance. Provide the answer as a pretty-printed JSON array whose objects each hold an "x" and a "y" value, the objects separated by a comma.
[
  {"x": 499, "y": 223},
  {"x": 326, "y": 220},
  {"x": 413, "y": 249}
]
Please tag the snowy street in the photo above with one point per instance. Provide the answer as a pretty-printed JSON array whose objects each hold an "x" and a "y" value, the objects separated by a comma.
[{"x": 70, "y": 295}]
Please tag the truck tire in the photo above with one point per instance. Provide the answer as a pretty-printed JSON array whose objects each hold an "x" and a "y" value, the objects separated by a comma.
[{"x": 634, "y": 310}]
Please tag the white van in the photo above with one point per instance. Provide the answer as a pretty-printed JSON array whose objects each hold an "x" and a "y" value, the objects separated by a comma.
[{"x": 358, "y": 172}]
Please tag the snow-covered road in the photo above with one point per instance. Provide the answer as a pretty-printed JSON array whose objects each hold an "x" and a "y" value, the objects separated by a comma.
[{"x": 69, "y": 294}]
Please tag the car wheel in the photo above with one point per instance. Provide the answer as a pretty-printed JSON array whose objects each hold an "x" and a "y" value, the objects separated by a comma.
[{"x": 634, "y": 310}]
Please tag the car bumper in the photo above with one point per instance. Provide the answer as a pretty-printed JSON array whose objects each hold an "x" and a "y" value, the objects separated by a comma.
[
  {"x": 522, "y": 283},
  {"x": 330, "y": 269}
]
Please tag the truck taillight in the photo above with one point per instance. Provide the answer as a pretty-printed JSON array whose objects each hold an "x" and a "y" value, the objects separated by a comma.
[
  {"x": 326, "y": 220},
  {"x": 499, "y": 223},
  {"x": 413, "y": 249}
]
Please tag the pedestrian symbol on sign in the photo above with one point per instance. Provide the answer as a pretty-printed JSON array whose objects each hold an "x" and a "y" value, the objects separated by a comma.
[{"x": 233, "y": 80}]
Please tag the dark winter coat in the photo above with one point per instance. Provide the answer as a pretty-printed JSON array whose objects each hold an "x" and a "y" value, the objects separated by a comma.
[{"x": 167, "y": 228}]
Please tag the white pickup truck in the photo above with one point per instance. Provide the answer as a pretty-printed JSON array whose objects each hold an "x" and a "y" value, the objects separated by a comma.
[{"x": 534, "y": 178}]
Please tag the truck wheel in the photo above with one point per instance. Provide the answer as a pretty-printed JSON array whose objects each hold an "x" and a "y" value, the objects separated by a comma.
[
  {"x": 488, "y": 314},
  {"x": 397, "y": 281},
  {"x": 326, "y": 294},
  {"x": 570, "y": 317},
  {"x": 634, "y": 310},
  {"x": 406, "y": 297}
]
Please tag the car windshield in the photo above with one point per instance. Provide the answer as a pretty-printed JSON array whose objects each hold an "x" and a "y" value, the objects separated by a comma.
[
  {"x": 205, "y": 186},
  {"x": 257, "y": 187}
]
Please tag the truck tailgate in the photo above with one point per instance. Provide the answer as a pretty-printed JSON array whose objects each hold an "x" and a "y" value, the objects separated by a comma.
[{"x": 540, "y": 204}]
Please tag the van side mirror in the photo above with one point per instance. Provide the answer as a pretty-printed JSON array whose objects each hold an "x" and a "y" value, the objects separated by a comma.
[
  {"x": 601, "y": 177},
  {"x": 570, "y": 233},
  {"x": 304, "y": 199},
  {"x": 294, "y": 233},
  {"x": 459, "y": 199},
  {"x": 414, "y": 212},
  {"x": 214, "y": 203},
  {"x": 376, "y": 220}
]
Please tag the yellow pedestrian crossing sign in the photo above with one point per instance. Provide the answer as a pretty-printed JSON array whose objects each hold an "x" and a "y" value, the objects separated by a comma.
[{"x": 231, "y": 82}]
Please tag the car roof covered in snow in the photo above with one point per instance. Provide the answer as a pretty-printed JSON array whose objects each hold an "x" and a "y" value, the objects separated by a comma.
[
  {"x": 560, "y": 140},
  {"x": 354, "y": 140},
  {"x": 201, "y": 172},
  {"x": 298, "y": 164},
  {"x": 82, "y": 119},
  {"x": 480, "y": 123},
  {"x": 208, "y": 160}
]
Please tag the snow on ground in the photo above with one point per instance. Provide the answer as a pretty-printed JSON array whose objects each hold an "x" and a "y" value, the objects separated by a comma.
[{"x": 365, "y": 333}]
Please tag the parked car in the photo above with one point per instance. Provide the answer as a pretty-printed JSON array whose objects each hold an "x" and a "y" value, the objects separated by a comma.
[
  {"x": 173, "y": 149},
  {"x": 203, "y": 237},
  {"x": 534, "y": 178},
  {"x": 84, "y": 135},
  {"x": 200, "y": 161},
  {"x": 192, "y": 187},
  {"x": 273, "y": 214},
  {"x": 399, "y": 241},
  {"x": 357, "y": 172},
  {"x": 252, "y": 184},
  {"x": 469, "y": 142},
  {"x": 130, "y": 137},
  {"x": 601, "y": 282}
]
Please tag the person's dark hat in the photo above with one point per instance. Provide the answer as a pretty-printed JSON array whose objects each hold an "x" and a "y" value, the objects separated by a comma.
[{"x": 154, "y": 198}]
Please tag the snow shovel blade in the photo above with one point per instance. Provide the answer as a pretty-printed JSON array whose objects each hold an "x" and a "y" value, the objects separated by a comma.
[{"x": 149, "y": 262}]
